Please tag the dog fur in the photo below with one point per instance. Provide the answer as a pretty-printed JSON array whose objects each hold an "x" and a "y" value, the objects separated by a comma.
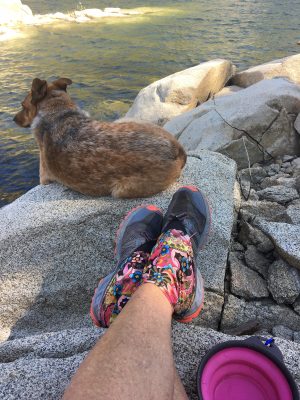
[{"x": 126, "y": 159}]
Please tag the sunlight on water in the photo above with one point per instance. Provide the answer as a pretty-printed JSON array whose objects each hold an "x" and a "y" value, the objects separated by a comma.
[{"x": 110, "y": 59}]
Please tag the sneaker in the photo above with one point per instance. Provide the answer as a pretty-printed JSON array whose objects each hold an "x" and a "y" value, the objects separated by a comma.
[
  {"x": 136, "y": 236},
  {"x": 185, "y": 230}
]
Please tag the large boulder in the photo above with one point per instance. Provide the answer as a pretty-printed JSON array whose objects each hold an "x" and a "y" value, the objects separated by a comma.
[
  {"x": 286, "y": 239},
  {"x": 13, "y": 11},
  {"x": 180, "y": 92},
  {"x": 55, "y": 244},
  {"x": 249, "y": 126},
  {"x": 288, "y": 67},
  {"x": 41, "y": 366},
  {"x": 238, "y": 312}
]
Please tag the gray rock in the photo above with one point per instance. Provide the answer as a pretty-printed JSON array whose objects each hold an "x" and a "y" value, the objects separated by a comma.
[
  {"x": 248, "y": 126},
  {"x": 55, "y": 244},
  {"x": 256, "y": 260},
  {"x": 283, "y": 282},
  {"x": 287, "y": 67},
  {"x": 236, "y": 246},
  {"x": 228, "y": 90},
  {"x": 272, "y": 169},
  {"x": 297, "y": 337},
  {"x": 252, "y": 235},
  {"x": 279, "y": 194},
  {"x": 180, "y": 92},
  {"x": 293, "y": 213},
  {"x": 286, "y": 239},
  {"x": 210, "y": 316},
  {"x": 245, "y": 282},
  {"x": 33, "y": 377},
  {"x": 297, "y": 123},
  {"x": 296, "y": 306},
  {"x": 287, "y": 158},
  {"x": 268, "y": 210},
  {"x": 276, "y": 180},
  {"x": 283, "y": 332},
  {"x": 268, "y": 314}
]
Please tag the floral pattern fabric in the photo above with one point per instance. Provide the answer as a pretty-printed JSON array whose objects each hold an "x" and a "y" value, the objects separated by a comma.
[
  {"x": 124, "y": 283},
  {"x": 171, "y": 268}
]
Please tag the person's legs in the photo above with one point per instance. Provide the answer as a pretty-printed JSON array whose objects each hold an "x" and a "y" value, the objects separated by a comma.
[{"x": 134, "y": 359}]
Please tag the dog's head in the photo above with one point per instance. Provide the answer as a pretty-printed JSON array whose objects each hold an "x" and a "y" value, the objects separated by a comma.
[{"x": 39, "y": 93}]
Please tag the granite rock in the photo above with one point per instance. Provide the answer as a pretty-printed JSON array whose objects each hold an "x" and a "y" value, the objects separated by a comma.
[
  {"x": 285, "y": 67},
  {"x": 266, "y": 312},
  {"x": 180, "y": 92},
  {"x": 286, "y": 239},
  {"x": 283, "y": 332},
  {"x": 280, "y": 194},
  {"x": 257, "y": 261},
  {"x": 245, "y": 282},
  {"x": 293, "y": 213},
  {"x": 248, "y": 126},
  {"x": 283, "y": 282},
  {"x": 55, "y": 244},
  {"x": 228, "y": 90},
  {"x": 249, "y": 234},
  {"x": 37, "y": 375},
  {"x": 268, "y": 210}
]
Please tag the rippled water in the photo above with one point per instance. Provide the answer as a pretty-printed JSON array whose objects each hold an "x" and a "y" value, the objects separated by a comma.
[{"x": 111, "y": 59}]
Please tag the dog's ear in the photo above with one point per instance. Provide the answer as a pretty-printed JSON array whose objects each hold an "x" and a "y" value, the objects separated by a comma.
[
  {"x": 38, "y": 90},
  {"x": 62, "y": 83}
]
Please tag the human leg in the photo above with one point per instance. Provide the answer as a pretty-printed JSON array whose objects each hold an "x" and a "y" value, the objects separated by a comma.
[
  {"x": 136, "y": 351},
  {"x": 134, "y": 359}
]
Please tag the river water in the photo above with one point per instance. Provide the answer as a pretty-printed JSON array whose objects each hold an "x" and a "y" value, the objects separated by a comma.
[{"x": 111, "y": 59}]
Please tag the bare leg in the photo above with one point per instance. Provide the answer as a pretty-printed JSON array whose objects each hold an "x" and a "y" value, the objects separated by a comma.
[
  {"x": 134, "y": 359},
  {"x": 179, "y": 391}
]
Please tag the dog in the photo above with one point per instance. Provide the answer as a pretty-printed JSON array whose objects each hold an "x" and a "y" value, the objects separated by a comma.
[{"x": 122, "y": 159}]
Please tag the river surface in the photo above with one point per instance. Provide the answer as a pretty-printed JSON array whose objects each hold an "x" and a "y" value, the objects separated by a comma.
[{"x": 111, "y": 59}]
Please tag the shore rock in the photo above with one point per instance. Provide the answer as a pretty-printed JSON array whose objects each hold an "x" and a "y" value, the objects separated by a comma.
[
  {"x": 288, "y": 67},
  {"x": 286, "y": 239},
  {"x": 51, "y": 263},
  {"x": 256, "y": 260},
  {"x": 266, "y": 312},
  {"x": 13, "y": 11},
  {"x": 245, "y": 282},
  {"x": 279, "y": 194},
  {"x": 228, "y": 90},
  {"x": 283, "y": 332},
  {"x": 283, "y": 282},
  {"x": 249, "y": 127},
  {"x": 180, "y": 92},
  {"x": 293, "y": 213},
  {"x": 43, "y": 371},
  {"x": 268, "y": 210}
]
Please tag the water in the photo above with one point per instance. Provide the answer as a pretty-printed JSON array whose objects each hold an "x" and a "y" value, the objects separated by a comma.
[{"x": 110, "y": 60}]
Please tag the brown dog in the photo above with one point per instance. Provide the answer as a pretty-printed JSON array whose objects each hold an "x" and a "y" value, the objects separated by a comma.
[{"x": 126, "y": 159}]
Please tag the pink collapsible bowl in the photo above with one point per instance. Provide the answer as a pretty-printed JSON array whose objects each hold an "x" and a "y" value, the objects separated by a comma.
[{"x": 245, "y": 370}]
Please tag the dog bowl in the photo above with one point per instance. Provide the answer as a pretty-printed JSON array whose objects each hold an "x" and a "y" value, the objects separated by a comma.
[{"x": 245, "y": 370}]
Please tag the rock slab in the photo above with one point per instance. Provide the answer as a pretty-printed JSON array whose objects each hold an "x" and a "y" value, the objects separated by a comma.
[
  {"x": 288, "y": 67},
  {"x": 180, "y": 92},
  {"x": 248, "y": 126},
  {"x": 286, "y": 239},
  {"x": 55, "y": 244},
  {"x": 40, "y": 370}
]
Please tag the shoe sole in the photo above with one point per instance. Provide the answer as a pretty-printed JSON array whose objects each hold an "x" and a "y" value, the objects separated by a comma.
[{"x": 204, "y": 239}]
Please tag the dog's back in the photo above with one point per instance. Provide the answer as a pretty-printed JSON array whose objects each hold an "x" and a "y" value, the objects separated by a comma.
[{"x": 125, "y": 159}]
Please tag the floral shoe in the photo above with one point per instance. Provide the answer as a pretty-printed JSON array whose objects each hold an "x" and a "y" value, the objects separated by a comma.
[
  {"x": 172, "y": 261},
  {"x": 136, "y": 236}
]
